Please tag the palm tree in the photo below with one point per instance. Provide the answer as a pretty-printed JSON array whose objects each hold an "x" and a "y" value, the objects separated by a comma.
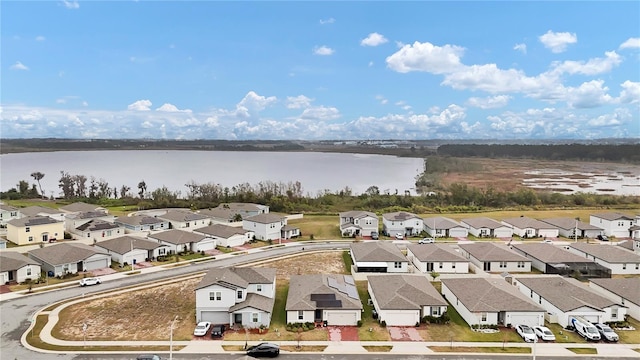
[{"x": 38, "y": 176}]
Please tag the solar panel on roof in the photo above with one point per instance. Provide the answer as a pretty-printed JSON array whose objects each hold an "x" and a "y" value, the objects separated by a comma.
[
  {"x": 39, "y": 221},
  {"x": 329, "y": 304}
]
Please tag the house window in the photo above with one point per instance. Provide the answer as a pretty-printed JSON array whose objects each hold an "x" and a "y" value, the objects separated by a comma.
[
  {"x": 624, "y": 266},
  {"x": 259, "y": 287},
  {"x": 188, "y": 224},
  {"x": 521, "y": 264},
  {"x": 27, "y": 229},
  {"x": 30, "y": 238},
  {"x": 239, "y": 294},
  {"x": 88, "y": 234},
  {"x": 161, "y": 251},
  {"x": 637, "y": 266},
  {"x": 255, "y": 317},
  {"x": 503, "y": 264},
  {"x": 531, "y": 294},
  {"x": 614, "y": 313},
  {"x": 440, "y": 265},
  {"x": 28, "y": 271},
  {"x": 453, "y": 265},
  {"x": 215, "y": 296},
  {"x": 300, "y": 315},
  {"x": 109, "y": 232},
  {"x": 397, "y": 265},
  {"x": 483, "y": 317},
  {"x": 435, "y": 311}
]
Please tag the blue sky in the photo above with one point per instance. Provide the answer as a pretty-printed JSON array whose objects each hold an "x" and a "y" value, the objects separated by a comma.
[{"x": 320, "y": 70}]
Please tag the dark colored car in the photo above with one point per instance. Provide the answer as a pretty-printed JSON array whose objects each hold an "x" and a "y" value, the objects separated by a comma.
[
  {"x": 217, "y": 331},
  {"x": 602, "y": 238},
  {"x": 264, "y": 350},
  {"x": 375, "y": 235}
]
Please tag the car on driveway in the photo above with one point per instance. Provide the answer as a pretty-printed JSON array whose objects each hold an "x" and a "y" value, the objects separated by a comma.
[
  {"x": 217, "y": 331},
  {"x": 264, "y": 349},
  {"x": 606, "y": 332},
  {"x": 602, "y": 237},
  {"x": 399, "y": 236},
  {"x": 375, "y": 235},
  {"x": 89, "y": 281},
  {"x": 544, "y": 333},
  {"x": 202, "y": 328},
  {"x": 526, "y": 333},
  {"x": 427, "y": 240}
]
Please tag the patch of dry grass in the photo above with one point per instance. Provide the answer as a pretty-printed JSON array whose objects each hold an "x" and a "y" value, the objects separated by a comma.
[
  {"x": 481, "y": 349},
  {"x": 381, "y": 348}
]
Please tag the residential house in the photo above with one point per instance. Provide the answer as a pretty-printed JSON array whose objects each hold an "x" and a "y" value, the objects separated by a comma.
[
  {"x": 358, "y": 223},
  {"x": 15, "y": 267},
  {"x": 97, "y": 229},
  {"x": 613, "y": 223},
  {"x": 635, "y": 229},
  {"x": 73, "y": 220},
  {"x": 570, "y": 227},
  {"x": 441, "y": 258},
  {"x": 563, "y": 298},
  {"x": 179, "y": 241},
  {"x": 245, "y": 210},
  {"x": 186, "y": 220},
  {"x": 221, "y": 215},
  {"x": 552, "y": 259},
  {"x": 491, "y": 301},
  {"x": 526, "y": 227},
  {"x": 323, "y": 298},
  {"x": 34, "y": 211},
  {"x": 613, "y": 257},
  {"x": 482, "y": 227},
  {"x": 243, "y": 296},
  {"x": 141, "y": 223},
  {"x": 33, "y": 230},
  {"x": 404, "y": 300},
  {"x": 492, "y": 257},
  {"x": 632, "y": 245},
  {"x": 401, "y": 222},
  {"x": 267, "y": 226},
  {"x": 63, "y": 258},
  {"x": 127, "y": 250},
  {"x": 8, "y": 213},
  {"x": 444, "y": 227},
  {"x": 378, "y": 256},
  {"x": 80, "y": 207},
  {"x": 625, "y": 291},
  {"x": 289, "y": 232},
  {"x": 226, "y": 236}
]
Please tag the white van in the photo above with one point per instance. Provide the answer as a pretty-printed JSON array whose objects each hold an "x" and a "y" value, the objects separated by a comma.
[{"x": 585, "y": 329}]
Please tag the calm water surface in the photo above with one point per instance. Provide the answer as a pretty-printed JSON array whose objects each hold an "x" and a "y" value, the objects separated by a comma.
[{"x": 173, "y": 169}]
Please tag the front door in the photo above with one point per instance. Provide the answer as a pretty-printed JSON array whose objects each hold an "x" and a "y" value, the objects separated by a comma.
[
  {"x": 318, "y": 315},
  {"x": 237, "y": 318},
  {"x": 45, "y": 237},
  {"x": 430, "y": 266}
]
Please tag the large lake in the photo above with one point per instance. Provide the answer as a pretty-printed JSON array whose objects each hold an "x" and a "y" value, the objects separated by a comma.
[{"x": 315, "y": 171}]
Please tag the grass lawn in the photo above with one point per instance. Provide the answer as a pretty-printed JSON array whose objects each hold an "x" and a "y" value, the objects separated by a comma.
[
  {"x": 383, "y": 348},
  {"x": 482, "y": 349},
  {"x": 630, "y": 336},
  {"x": 564, "y": 336},
  {"x": 320, "y": 226},
  {"x": 377, "y": 333},
  {"x": 584, "y": 351}
]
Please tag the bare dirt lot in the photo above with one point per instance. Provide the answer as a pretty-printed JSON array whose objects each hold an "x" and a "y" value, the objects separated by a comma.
[{"x": 147, "y": 314}]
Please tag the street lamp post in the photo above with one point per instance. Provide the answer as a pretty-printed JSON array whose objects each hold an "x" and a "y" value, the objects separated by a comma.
[{"x": 171, "y": 338}]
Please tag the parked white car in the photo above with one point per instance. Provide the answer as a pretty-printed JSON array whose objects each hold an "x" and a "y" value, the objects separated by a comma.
[
  {"x": 427, "y": 240},
  {"x": 606, "y": 332},
  {"x": 526, "y": 333},
  {"x": 399, "y": 236},
  {"x": 544, "y": 333},
  {"x": 202, "y": 328},
  {"x": 90, "y": 281}
]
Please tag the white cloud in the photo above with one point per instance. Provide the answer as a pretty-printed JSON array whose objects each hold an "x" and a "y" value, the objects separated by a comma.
[
  {"x": 255, "y": 102},
  {"x": 40, "y": 38},
  {"x": 381, "y": 99},
  {"x": 630, "y": 93},
  {"x": 520, "y": 47},
  {"x": 631, "y": 43},
  {"x": 166, "y": 107},
  {"x": 320, "y": 113},
  {"x": 370, "y": 63},
  {"x": 557, "y": 42},
  {"x": 298, "y": 102},
  {"x": 70, "y": 4},
  {"x": 84, "y": 103},
  {"x": 588, "y": 95},
  {"x": 374, "y": 39},
  {"x": 327, "y": 21},
  {"x": 140, "y": 105},
  {"x": 491, "y": 102},
  {"x": 19, "y": 66},
  {"x": 323, "y": 50},
  {"x": 591, "y": 67},
  {"x": 403, "y": 105},
  {"x": 61, "y": 101},
  {"x": 426, "y": 57}
]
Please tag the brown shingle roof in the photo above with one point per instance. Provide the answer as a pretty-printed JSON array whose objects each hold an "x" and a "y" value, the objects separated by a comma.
[
  {"x": 489, "y": 295},
  {"x": 608, "y": 253},
  {"x": 377, "y": 251},
  {"x": 404, "y": 292},
  {"x": 435, "y": 252},
  {"x": 565, "y": 294},
  {"x": 484, "y": 251}
]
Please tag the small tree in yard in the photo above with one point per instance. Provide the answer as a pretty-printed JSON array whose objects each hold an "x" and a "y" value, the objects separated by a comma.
[{"x": 434, "y": 275}]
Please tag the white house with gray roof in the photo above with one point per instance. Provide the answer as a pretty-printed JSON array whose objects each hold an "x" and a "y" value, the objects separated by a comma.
[
  {"x": 98, "y": 230},
  {"x": 402, "y": 222},
  {"x": 15, "y": 267},
  {"x": 8, "y": 213},
  {"x": 482, "y": 227},
  {"x": 441, "y": 258},
  {"x": 142, "y": 223},
  {"x": 613, "y": 223},
  {"x": 127, "y": 250},
  {"x": 491, "y": 301},
  {"x": 527, "y": 227},
  {"x": 323, "y": 297},
  {"x": 563, "y": 298},
  {"x": 625, "y": 291},
  {"x": 403, "y": 300},
  {"x": 179, "y": 241},
  {"x": 378, "y": 256},
  {"x": 73, "y": 220},
  {"x": 358, "y": 223},
  {"x": 569, "y": 227},
  {"x": 221, "y": 215},
  {"x": 43, "y": 211},
  {"x": 549, "y": 258},
  {"x": 185, "y": 220},
  {"x": 80, "y": 207},
  {"x": 266, "y": 226},
  {"x": 63, "y": 258},
  {"x": 492, "y": 257},
  {"x": 620, "y": 261},
  {"x": 439, "y": 226},
  {"x": 233, "y": 295},
  {"x": 245, "y": 209},
  {"x": 226, "y": 236}
]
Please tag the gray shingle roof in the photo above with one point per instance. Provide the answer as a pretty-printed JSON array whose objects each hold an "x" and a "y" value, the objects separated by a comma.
[
  {"x": 12, "y": 260},
  {"x": 80, "y": 207},
  {"x": 267, "y": 218},
  {"x": 357, "y": 214},
  {"x": 611, "y": 216},
  {"x": 489, "y": 295},
  {"x": 32, "y": 221},
  {"x": 64, "y": 253},
  {"x": 565, "y": 294},
  {"x": 377, "y": 251},
  {"x": 441, "y": 223},
  {"x": 435, "y": 252},
  {"x": 404, "y": 292},
  {"x": 223, "y": 231},
  {"x": 6, "y": 207},
  {"x": 608, "y": 253},
  {"x": 242, "y": 206},
  {"x": 485, "y": 251},
  {"x": 483, "y": 222},
  {"x": 550, "y": 254},
  {"x": 88, "y": 215},
  {"x": 628, "y": 288},
  {"x": 570, "y": 223},
  {"x": 35, "y": 210},
  {"x": 182, "y": 215},
  {"x": 236, "y": 277},
  {"x": 256, "y": 301},
  {"x": 95, "y": 225},
  {"x": 137, "y": 220},
  {"x": 400, "y": 216},
  {"x": 524, "y": 222},
  {"x": 301, "y": 287},
  {"x": 124, "y": 244},
  {"x": 177, "y": 237},
  {"x": 218, "y": 213}
]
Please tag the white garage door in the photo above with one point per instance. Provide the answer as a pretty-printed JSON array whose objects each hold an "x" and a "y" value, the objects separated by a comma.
[
  {"x": 503, "y": 233},
  {"x": 458, "y": 232},
  {"x": 341, "y": 318},
  {"x": 96, "y": 264},
  {"x": 591, "y": 318},
  {"x": 206, "y": 245},
  {"x": 215, "y": 317},
  {"x": 4, "y": 277},
  {"x": 400, "y": 319},
  {"x": 531, "y": 320}
]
